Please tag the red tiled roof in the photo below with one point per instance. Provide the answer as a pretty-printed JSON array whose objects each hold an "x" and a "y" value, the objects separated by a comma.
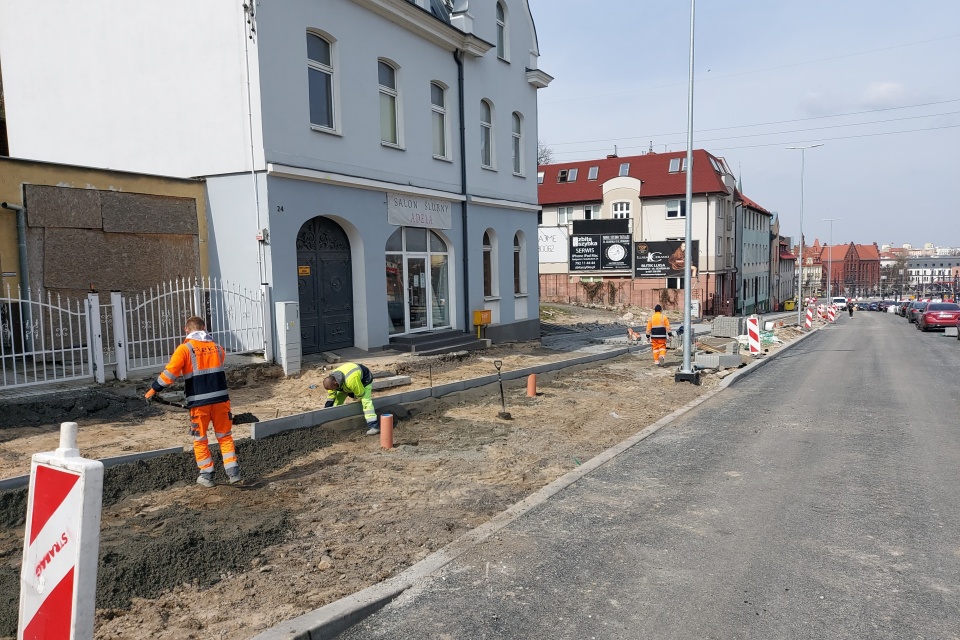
[
  {"x": 653, "y": 170},
  {"x": 753, "y": 205},
  {"x": 867, "y": 251},
  {"x": 786, "y": 255},
  {"x": 835, "y": 253}
]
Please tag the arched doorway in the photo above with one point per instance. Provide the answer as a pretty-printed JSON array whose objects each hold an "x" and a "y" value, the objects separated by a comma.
[{"x": 325, "y": 282}]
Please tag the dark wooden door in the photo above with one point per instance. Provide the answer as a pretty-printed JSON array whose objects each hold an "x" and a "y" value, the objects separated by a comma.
[{"x": 325, "y": 281}]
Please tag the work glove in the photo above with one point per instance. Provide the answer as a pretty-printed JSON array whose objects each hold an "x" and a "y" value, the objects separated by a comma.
[
  {"x": 328, "y": 404},
  {"x": 148, "y": 396}
]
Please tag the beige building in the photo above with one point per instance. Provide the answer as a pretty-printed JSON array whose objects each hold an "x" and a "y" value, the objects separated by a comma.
[{"x": 91, "y": 229}]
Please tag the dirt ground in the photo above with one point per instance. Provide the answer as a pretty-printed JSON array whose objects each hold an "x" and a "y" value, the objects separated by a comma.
[{"x": 325, "y": 511}]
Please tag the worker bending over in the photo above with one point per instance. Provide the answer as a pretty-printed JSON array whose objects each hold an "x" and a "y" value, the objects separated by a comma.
[
  {"x": 356, "y": 381},
  {"x": 199, "y": 361},
  {"x": 658, "y": 328}
]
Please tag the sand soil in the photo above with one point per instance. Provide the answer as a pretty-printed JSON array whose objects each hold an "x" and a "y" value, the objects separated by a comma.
[{"x": 324, "y": 511}]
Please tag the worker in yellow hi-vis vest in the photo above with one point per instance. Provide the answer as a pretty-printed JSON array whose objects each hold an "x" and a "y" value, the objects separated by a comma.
[{"x": 354, "y": 381}]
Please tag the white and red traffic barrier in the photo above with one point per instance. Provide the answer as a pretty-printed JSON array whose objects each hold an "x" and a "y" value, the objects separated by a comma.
[
  {"x": 58, "y": 580},
  {"x": 831, "y": 313},
  {"x": 809, "y": 321},
  {"x": 753, "y": 335}
]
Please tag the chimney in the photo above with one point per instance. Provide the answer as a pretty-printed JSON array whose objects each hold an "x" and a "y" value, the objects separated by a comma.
[{"x": 614, "y": 154}]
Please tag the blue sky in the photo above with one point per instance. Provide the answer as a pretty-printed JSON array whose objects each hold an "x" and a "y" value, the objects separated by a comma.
[{"x": 876, "y": 81}]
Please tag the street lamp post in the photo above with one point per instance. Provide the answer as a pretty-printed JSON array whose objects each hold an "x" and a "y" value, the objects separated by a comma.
[
  {"x": 800, "y": 254},
  {"x": 687, "y": 372},
  {"x": 830, "y": 263}
]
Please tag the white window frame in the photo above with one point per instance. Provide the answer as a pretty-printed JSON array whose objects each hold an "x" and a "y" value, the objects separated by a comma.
[
  {"x": 503, "y": 33},
  {"x": 620, "y": 210},
  {"x": 486, "y": 129},
  {"x": 539, "y": 177},
  {"x": 678, "y": 165},
  {"x": 330, "y": 70},
  {"x": 592, "y": 173},
  {"x": 594, "y": 210},
  {"x": 441, "y": 112},
  {"x": 677, "y": 282},
  {"x": 517, "y": 142},
  {"x": 564, "y": 215},
  {"x": 678, "y": 213},
  {"x": 624, "y": 169},
  {"x": 393, "y": 92},
  {"x": 491, "y": 251},
  {"x": 719, "y": 245},
  {"x": 520, "y": 251},
  {"x": 572, "y": 174}
]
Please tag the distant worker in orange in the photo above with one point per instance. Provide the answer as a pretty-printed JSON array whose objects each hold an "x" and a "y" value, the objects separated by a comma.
[
  {"x": 199, "y": 361},
  {"x": 658, "y": 328}
]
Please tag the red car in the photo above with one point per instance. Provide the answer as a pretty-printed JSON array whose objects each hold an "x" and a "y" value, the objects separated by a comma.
[{"x": 938, "y": 315}]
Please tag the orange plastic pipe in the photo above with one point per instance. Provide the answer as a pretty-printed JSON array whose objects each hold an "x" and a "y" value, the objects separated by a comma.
[
  {"x": 532, "y": 385},
  {"x": 386, "y": 431}
]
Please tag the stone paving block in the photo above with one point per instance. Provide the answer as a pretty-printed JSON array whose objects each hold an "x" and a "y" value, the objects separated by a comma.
[{"x": 391, "y": 382}]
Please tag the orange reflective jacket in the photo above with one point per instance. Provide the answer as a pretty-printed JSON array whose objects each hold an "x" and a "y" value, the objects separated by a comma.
[{"x": 200, "y": 364}]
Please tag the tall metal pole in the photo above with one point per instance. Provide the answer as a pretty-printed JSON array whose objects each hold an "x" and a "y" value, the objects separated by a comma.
[
  {"x": 687, "y": 372},
  {"x": 800, "y": 253},
  {"x": 830, "y": 263}
]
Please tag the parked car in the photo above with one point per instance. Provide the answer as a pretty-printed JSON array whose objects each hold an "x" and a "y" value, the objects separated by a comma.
[
  {"x": 883, "y": 305},
  {"x": 938, "y": 315},
  {"x": 902, "y": 308},
  {"x": 874, "y": 306},
  {"x": 916, "y": 307},
  {"x": 840, "y": 302}
]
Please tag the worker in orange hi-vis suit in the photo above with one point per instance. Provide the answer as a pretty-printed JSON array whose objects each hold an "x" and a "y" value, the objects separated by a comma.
[
  {"x": 199, "y": 361},
  {"x": 658, "y": 328}
]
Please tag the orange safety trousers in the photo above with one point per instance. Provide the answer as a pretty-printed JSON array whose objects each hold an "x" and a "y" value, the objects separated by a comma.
[
  {"x": 219, "y": 415},
  {"x": 659, "y": 346}
]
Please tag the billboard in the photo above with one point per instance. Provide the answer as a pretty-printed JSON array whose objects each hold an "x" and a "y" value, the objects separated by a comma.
[
  {"x": 600, "y": 252},
  {"x": 553, "y": 244},
  {"x": 664, "y": 259}
]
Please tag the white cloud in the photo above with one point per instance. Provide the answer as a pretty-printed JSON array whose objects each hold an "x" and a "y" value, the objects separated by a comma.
[{"x": 878, "y": 95}]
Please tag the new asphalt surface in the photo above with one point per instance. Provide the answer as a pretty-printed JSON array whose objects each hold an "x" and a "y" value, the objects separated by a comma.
[{"x": 815, "y": 498}]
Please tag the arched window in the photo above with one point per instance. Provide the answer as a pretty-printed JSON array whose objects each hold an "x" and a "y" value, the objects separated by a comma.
[
  {"x": 438, "y": 115},
  {"x": 320, "y": 81},
  {"x": 486, "y": 134},
  {"x": 389, "y": 103},
  {"x": 502, "y": 39},
  {"x": 519, "y": 264},
  {"x": 517, "y": 144},
  {"x": 418, "y": 280},
  {"x": 490, "y": 288}
]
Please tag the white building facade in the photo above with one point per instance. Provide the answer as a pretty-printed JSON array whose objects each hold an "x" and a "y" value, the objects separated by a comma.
[{"x": 372, "y": 160}]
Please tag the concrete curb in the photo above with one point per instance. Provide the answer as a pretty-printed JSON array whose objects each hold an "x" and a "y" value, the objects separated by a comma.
[
  {"x": 338, "y": 616},
  {"x": 318, "y": 417},
  {"x": 18, "y": 482}
]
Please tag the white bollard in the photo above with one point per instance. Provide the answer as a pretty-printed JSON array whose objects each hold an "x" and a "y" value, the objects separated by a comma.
[{"x": 58, "y": 580}]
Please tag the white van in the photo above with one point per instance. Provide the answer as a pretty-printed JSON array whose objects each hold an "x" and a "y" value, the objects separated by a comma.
[{"x": 840, "y": 302}]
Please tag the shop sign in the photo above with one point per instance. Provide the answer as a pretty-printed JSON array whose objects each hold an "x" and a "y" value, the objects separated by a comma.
[
  {"x": 552, "y": 242},
  {"x": 416, "y": 211},
  {"x": 664, "y": 259},
  {"x": 600, "y": 252}
]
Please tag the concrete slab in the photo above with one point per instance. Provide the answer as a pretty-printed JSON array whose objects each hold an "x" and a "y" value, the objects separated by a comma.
[{"x": 391, "y": 382}]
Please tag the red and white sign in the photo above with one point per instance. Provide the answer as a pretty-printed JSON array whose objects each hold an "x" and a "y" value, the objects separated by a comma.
[
  {"x": 831, "y": 313},
  {"x": 809, "y": 321},
  {"x": 753, "y": 334},
  {"x": 59, "y": 572}
]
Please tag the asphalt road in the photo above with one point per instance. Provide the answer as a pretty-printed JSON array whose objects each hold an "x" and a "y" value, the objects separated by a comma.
[{"x": 816, "y": 498}]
